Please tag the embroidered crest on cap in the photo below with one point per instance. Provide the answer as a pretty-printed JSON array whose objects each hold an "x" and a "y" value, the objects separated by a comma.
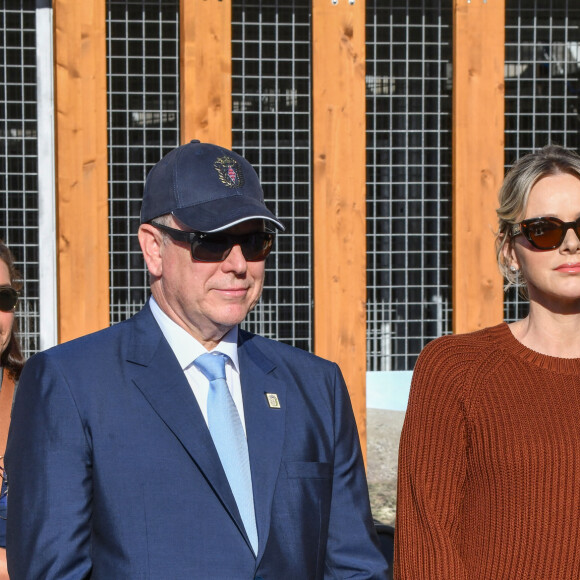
[{"x": 229, "y": 171}]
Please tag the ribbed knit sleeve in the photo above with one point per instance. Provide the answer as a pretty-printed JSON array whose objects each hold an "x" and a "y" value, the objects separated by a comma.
[
  {"x": 432, "y": 466},
  {"x": 489, "y": 463}
]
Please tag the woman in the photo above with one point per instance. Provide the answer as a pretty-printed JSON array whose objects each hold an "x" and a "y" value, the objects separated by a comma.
[
  {"x": 12, "y": 362},
  {"x": 489, "y": 458}
]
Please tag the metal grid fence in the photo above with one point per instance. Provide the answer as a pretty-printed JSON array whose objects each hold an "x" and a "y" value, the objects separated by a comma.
[
  {"x": 271, "y": 128},
  {"x": 409, "y": 179},
  {"x": 542, "y": 86},
  {"x": 143, "y": 110},
  {"x": 408, "y": 147},
  {"x": 18, "y": 157}
]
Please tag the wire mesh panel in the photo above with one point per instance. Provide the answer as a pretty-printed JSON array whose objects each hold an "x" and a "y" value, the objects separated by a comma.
[
  {"x": 143, "y": 118},
  {"x": 542, "y": 86},
  {"x": 18, "y": 157},
  {"x": 408, "y": 179},
  {"x": 271, "y": 128}
]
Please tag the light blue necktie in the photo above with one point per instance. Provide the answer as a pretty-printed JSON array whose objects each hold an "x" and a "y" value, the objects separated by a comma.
[{"x": 229, "y": 438}]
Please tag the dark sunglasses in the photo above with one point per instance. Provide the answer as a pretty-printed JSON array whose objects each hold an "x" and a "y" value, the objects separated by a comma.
[
  {"x": 545, "y": 233},
  {"x": 8, "y": 299},
  {"x": 217, "y": 247}
]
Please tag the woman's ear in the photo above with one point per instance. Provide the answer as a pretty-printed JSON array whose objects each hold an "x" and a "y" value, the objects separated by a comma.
[
  {"x": 510, "y": 255},
  {"x": 151, "y": 242}
]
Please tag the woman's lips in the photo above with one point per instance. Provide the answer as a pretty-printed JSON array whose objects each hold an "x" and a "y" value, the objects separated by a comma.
[{"x": 571, "y": 268}]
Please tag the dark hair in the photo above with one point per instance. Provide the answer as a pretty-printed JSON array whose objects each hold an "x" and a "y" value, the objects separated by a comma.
[{"x": 12, "y": 358}]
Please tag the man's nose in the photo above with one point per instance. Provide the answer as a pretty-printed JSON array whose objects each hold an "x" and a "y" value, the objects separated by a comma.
[{"x": 235, "y": 260}]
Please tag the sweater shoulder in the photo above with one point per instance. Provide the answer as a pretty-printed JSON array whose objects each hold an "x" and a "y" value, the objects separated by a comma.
[
  {"x": 454, "y": 367},
  {"x": 460, "y": 348}
]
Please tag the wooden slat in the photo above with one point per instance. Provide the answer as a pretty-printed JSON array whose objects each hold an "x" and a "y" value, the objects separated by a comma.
[
  {"x": 81, "y": 166},
  {"x": 338, "y": 105},
  {"x": 206, "y": 69},
  {"x": 478, "y": 153}
]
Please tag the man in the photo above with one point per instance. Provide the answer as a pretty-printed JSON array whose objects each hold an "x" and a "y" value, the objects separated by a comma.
[{"x": 130, "y": 456}]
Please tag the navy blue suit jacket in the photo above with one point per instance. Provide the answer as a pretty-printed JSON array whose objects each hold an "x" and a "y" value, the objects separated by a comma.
[{"x": 113, "y": 473}]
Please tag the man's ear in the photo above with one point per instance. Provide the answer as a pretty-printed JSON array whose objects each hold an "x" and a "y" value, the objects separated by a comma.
[{"x": 151, "y": 242}]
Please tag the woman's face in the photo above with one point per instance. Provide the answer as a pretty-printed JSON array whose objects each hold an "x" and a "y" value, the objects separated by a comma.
[
  {"x": 553, "y": 276},
  {"x": 6, "y": 318}
]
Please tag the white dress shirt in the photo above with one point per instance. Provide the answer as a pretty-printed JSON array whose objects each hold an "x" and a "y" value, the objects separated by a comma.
[{"x": 187, "y": 349}]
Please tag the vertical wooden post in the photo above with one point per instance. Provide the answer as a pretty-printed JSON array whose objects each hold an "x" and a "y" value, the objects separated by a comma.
[
  {"x": 339, "y": 170},
  {"x": 478, "y": 160},
  {"x": 206, "y": 71},
  {"x": 81, "y": 166}
]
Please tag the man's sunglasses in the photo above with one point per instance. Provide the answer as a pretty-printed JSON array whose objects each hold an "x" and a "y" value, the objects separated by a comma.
[
  {"x": 8, "y": 299},
  {"x": 545, "y": 233},
  {"x": 216, "y": 247}
]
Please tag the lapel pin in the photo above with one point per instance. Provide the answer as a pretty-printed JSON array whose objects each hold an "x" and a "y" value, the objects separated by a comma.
[{"x": 273, "y": 401}]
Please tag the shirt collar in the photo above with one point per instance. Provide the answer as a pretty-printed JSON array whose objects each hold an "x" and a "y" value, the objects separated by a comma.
[{"x": 185, "y": 347}]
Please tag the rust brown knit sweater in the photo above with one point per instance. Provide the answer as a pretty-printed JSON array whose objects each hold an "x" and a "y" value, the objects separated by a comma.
[{"x": 489, "y": 463}]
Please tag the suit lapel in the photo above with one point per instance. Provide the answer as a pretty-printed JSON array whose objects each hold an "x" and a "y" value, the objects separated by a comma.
[
  {"x": 159, "y": 377},
  {"x": 265, "y": 427}
]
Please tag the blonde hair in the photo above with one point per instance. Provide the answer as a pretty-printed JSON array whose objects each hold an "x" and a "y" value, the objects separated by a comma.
[{"x": 515, "y": 192}]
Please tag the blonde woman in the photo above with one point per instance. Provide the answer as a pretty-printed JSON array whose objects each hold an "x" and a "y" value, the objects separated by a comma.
[{"x": 489, "y": 465}]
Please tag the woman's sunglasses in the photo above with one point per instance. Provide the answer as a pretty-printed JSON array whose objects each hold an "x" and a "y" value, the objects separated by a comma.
[
  {"x": 8, "y": 299},
  {"x": 545, "y": 233},
  {"x": 216, "y": 247}
]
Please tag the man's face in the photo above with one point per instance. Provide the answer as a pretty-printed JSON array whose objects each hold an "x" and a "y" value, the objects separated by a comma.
[{"x": 205, "y": 298}]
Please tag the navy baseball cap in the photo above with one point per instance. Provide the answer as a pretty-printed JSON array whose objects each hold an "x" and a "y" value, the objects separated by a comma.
[{"x": 206, "y": 187}]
